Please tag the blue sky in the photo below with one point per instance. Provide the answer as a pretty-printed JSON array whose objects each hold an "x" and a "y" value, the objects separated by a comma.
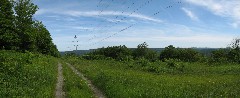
[{"x": 98, "y": 23}]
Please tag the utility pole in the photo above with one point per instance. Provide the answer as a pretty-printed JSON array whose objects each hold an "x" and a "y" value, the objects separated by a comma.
[{"x": 76, "y": 45}]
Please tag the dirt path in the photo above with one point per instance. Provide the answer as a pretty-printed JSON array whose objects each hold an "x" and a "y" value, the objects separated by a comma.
[
  {"x": 96, "y": 91},
  {"x": 59, "y": 86}
]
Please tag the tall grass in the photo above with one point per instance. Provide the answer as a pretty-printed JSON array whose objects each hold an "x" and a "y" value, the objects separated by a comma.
[
  {"x": 118, "y": 80},
  {"x": 27, "y": 75}
]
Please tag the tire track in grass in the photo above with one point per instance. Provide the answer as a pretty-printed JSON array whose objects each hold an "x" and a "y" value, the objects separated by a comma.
[
  {"x": 59, "y": 86},
  {"x": 96, "y": 91}
]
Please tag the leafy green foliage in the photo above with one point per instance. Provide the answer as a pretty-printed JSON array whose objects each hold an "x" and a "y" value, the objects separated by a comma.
[
  {"x": 188, "y": 55},
  {"x": 19, "y": 31},
  {"x": 234, "y": 53},
  {"x": 27, "y": 75},
  {"x": 228, "y": 55},
  {"x": 115, "y": 52},
  {"x": 143, "y": 51},
  {"x": 24, "y": 11},
  {"x": 169, "y": 52},
  {"x": 219, "y": 56},
  {"x": 8, "y": 37}
]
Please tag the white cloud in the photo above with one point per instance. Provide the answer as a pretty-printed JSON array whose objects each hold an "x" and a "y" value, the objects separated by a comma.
[
  {"x": 190, "y": 14},
  {"x": 224, "y": 8},
  {"x": 96, "y": 14},
  {"x": 166, "y": 37}
]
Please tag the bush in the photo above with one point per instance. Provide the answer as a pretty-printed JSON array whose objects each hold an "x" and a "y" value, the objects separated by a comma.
[
  {"x": 219, "y": 56},
  {"x": 115, "y": 52},
  {"x": 94, "y": 57},
  {"x": 175, "y": 64},
  {"x": 143, "y": 62},
  {"x": 142, "y": 51},
  {"x": 187, "y": 55},
  {"x": 152, "y": 55},
  {"x": 168, "y": 53},
  {"x": 234, "y": 55}
]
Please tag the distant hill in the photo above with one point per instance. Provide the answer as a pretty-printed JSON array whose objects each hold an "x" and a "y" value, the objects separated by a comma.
[{"x": 205, "y": 51}]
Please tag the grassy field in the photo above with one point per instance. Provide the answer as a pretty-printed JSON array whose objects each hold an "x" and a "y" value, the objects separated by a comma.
[
  {"x": 74, "y": 86},
  {"x": 129, "y": 79},
  {"x": 35, "y": 75},
  {"x": 27, "y": 75}
]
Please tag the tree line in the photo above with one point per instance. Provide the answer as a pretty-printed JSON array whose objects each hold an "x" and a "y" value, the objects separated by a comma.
[
  {"x": 20, "y": 31},
  {"x": 122, "y": 53}
]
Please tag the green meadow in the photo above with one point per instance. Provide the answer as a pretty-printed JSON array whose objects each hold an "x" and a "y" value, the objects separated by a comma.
[
  {"x": 27, "y": 74},
  {"x": 118, "y": 80}
]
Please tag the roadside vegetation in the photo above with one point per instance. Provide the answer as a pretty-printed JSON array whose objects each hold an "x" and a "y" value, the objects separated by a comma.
[
  {"x": 27, "y": 74},
  {"x": 27, "y": 65}
]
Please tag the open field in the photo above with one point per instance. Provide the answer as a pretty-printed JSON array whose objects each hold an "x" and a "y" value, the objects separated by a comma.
[
  {"x": 35, "y": 75},
  {"x": 119, "y": 49},
  {"x": 118, "y": 80}
]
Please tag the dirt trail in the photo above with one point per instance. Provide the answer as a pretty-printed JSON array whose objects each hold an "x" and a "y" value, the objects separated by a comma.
[
  {"x": 59, "y": 86},
  {"x": 96, "y": 91}
]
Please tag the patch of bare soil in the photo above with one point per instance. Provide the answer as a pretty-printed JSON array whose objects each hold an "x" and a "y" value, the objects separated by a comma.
[{"x": 59, "y": 93}]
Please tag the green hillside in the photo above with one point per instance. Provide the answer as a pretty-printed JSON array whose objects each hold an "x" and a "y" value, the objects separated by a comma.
[{"x": 27, "y": 74}]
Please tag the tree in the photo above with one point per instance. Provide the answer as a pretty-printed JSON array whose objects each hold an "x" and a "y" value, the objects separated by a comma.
[
  {"x": 219, "y": 55},
  {"x": 19, "y": 31},
  {"x": 169, "y": 52},
  {"x": 8, "y": 37},
  {"x": 116, "y": 52},
  {"x": 234, "y": 53},
  {"x": 24, "y": 10},
  {"x": 151, "y": 55},
  {"x": 141, "y": 51},
  {"x": 235, "y": 44},
  {"x": 43, "y": 38},
  {"x": 188, "y": 55},
  {"x": 183, "y": 54}
]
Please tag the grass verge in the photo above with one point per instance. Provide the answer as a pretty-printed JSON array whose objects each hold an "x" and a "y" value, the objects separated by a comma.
[{"x": 27, "y": 74}]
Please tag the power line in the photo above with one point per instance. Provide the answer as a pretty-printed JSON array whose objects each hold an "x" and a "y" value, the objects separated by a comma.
[
  {"x": 125, "y": 17},
  {"x": 124, "y": 29}
]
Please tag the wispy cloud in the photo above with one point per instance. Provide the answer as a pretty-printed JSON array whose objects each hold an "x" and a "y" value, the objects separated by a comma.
[
  {"x": 224, "y": 8},
  {"x": 97, "y": 14},
  {"x": 201, "y": 38},
  {"x": 190, "y": 14}
]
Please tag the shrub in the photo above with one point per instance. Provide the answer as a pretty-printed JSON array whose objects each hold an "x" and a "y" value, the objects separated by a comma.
[
  {"x": 219, "y": 56},
  {"x": 175, "y": 64},
  {"x": 143, "y": 51},
  {"x": 115, "y": 52},
  {"x": 188, "y": 54},
  {"x": 143, "y": 62},
  {"x": 168, "y": 53},
  {"x": 94, "y": 57}
]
